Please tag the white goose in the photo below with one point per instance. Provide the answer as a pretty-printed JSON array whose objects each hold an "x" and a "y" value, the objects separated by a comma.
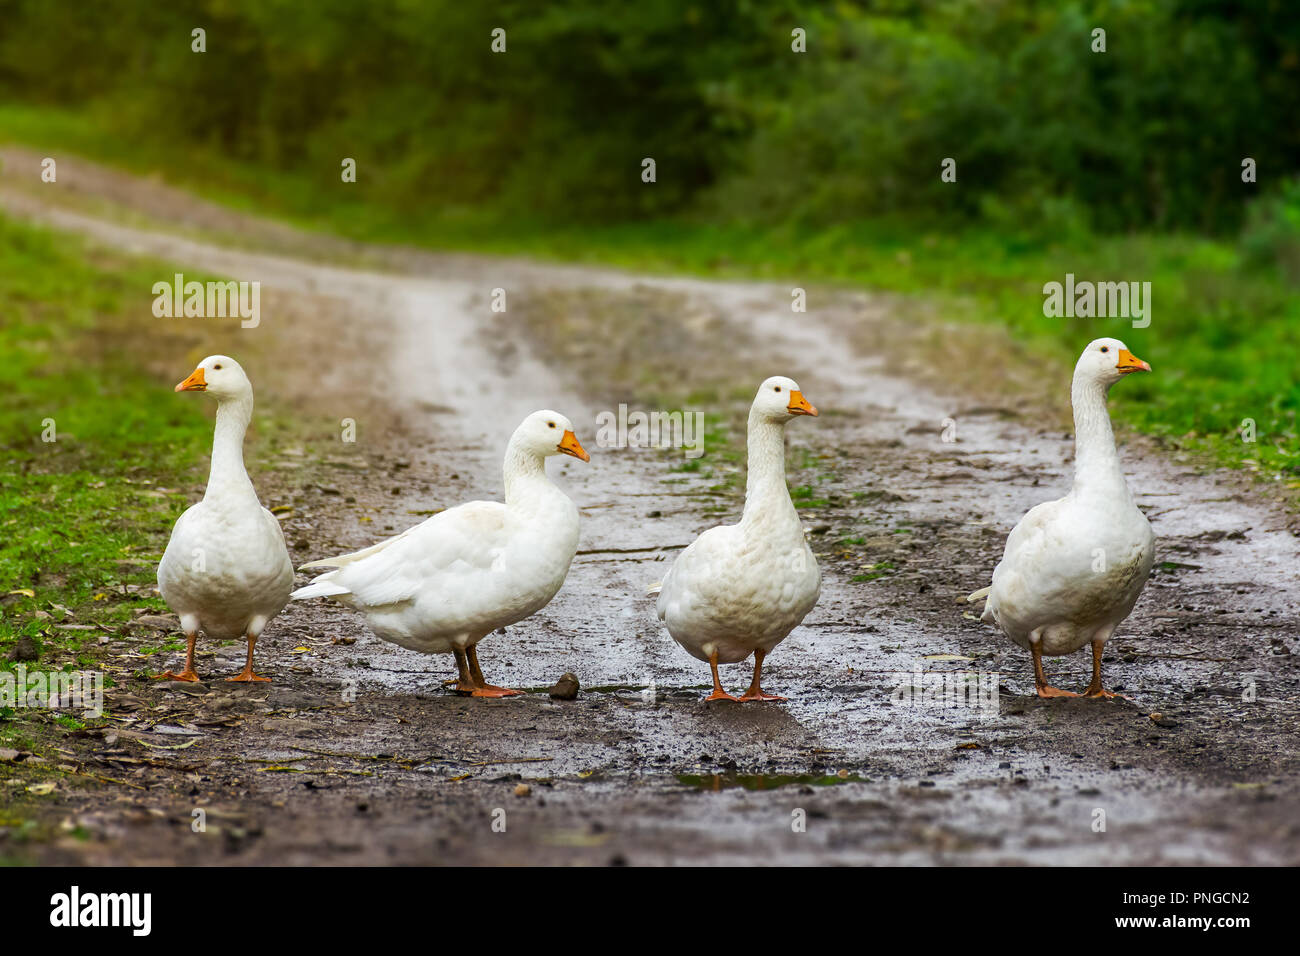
[
  {"x": 1073, "y": 568},
  {"x": 226, "y": 570},
  {"x": 445, "y": 584},
  {"x": 741, "y": 589}
]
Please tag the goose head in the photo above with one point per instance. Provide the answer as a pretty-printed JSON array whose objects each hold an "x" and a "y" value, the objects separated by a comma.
[
  {"x": 547, "y": 433},
  {"x": 1106, "y": 361},
  {"x": 219, "y": 375},
  {"x": 779, "y": 400}
]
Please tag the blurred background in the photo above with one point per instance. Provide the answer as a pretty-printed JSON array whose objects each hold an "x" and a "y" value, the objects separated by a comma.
[
  {"x": 1050, "y": 137},
  {"x": 817, "y": 166},
  {"x": 822, "y": 165}
]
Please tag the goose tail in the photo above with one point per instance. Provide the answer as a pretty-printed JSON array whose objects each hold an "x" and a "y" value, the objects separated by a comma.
[
  {"x": 345, "y": 559},
  {"x": 982, "y": 595},
  {"x": 322, "y": 563},
  {"x": 319, "y": 588}
]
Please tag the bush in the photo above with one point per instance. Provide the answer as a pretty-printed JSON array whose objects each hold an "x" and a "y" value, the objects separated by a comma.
[
  {"x": 1271, "y": 237},
  {"x": 1148, "y": 134}
]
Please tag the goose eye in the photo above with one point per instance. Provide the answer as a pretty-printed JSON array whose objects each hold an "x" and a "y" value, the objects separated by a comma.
[
  {"x": 215, "y": 367},
  {"x": 776, "y": 388},
  {"x": 550, "y": 424},
  {"x": 1105, "y": 348}
]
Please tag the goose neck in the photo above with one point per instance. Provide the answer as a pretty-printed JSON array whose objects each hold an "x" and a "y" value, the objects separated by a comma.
[
  {"x": 525, "y": 477},
  {"x": 228, "y": 477},
  {"x": 1096, "y": 462},
  {"x": 765, "y": 488}
]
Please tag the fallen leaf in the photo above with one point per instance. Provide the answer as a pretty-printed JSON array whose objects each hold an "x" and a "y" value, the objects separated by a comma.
[
  {"x": 173, "y": 729},
  {"x": 189, "y": 743}
]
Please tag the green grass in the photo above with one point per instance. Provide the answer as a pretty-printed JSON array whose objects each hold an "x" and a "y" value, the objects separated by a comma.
[
  {"x": 877, "y": 570},
  {"x": 88, "y": 512},
  {"x": 1223, "y": 337},
  {"x": 84, "y": 515}
]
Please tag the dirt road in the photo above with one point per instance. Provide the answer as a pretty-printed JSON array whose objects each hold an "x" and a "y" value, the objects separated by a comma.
[{"x": 357, "y": 754}]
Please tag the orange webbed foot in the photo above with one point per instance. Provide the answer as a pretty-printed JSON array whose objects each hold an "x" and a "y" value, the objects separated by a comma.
[
  {"x": 185, "y": 675},
  {"x": 1100, "y": 693},
  {"x": 491, "y": 690},
  {"x": 721, "y": 695},
  {"x": 246, "y": 676},
  {"x": 761, "y": 696},
  {"x": 1048, "y": 691}
]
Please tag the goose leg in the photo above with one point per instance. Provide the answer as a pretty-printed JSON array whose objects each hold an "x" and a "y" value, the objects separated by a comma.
[
  {"x": 187, "y": 674},
  {"x": 1040, "y": 680},
  {"x": 1095, "y": 688},
  {"x": 755, "y": 692},
  {"x": 246, "y": 676},
  {"x": 464, "y": 682},
  {"x": 483, "y": 688},
  {"x": 718, "y": 692}
]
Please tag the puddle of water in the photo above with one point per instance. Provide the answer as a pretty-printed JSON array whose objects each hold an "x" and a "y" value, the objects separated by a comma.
[{"x": 763, "y": 781}]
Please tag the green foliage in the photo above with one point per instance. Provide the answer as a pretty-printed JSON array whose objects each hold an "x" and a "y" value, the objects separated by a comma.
[
  {"x": 1149, "y": 133},
  {"x": 1140, "y": 135},
  {"x": 1271, "y": 239},
  {"x": 554, "y": 127}
]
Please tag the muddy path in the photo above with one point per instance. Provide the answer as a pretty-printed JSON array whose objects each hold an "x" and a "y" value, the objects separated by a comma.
[{"x": 357, "y": 754}]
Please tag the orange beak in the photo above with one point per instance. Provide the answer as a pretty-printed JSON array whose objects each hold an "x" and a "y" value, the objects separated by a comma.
[
  {"x": 569, "y": 445},
  {"x": 194, "y": 383},
  {"x": 1128, "y": 362},
  {"x": 800, "y": 405}
]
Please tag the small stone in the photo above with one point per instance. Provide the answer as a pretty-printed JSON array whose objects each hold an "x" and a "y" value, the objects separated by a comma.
[
  {"x": 523, "y": 790},
  {"x": 566, "y": 688},
  {"x": 25, "y": 649}
]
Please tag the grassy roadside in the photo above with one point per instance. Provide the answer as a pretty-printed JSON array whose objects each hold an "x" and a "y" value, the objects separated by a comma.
[
  {"x": 97, "y": 460},
  {"x": 89, "y": 464},
  {"x": 98, "y": 457},
  {"x": 90, "y": 456},
  {"x": 1222, "y": 338}
]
